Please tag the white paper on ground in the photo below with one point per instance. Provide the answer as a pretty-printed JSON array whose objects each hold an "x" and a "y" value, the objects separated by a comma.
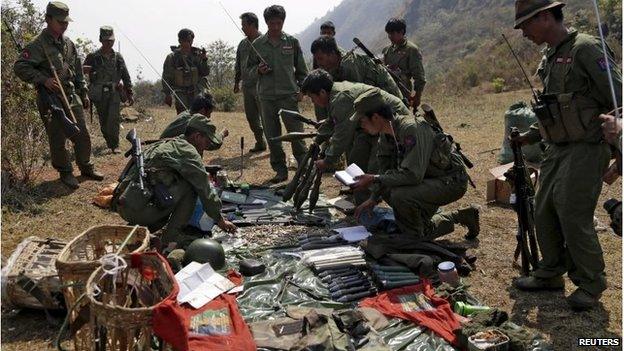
[
  {"x": 353, "y": 234},
  {"x": 199, "y": 284}
]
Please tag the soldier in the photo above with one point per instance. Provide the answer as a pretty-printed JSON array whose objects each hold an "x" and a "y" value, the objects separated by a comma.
[
  {"x": 351, "y": 67},
  {"x": 279, "y": 69},
  {"x": 328, "y": 29},
  {"x": 33, "y": 67},
  {"x": 404, "y": 59},
  {"x": 249, "y": 23},
  {"x": 175, "y": 167},
  {"x": 345, "y": 136},
  {"x": 202, "y": 104},
  {"x": 185, "y": 71},
  {"x": 576, "y": 86},
  {"x": 106, "y": 68},
  {"x": 420, "y": 173}
]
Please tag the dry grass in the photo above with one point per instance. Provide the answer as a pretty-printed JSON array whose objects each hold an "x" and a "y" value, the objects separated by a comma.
[{"x": 475, "y": 120}]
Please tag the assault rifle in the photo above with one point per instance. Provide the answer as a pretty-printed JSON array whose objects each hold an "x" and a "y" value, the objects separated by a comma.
[{"x": 524, "y": 206}]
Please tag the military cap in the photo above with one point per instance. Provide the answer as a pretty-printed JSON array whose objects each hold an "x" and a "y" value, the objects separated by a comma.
[
  {"x": 525, "y": 9},
  {"x": 106, "y": 33},
  {"x": 202, "y": 123},
  {"x": 369, "y": 101},
  {"x": 58, "y": 10}
]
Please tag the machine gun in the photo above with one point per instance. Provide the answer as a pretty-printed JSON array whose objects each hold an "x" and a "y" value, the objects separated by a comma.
[
  {"x": 524, "y": 206},
  {"x": 52, "y": 101}
]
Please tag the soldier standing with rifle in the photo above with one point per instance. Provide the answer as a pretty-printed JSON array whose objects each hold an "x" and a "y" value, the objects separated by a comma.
[
  {"x": 575, "y": 75},
  {"x": 50, "y": 55},
  {"x": 185, "y": 71},
  {"x": 403, "y": 58},
  {"x": 249, "y": 24},
  {"x": 106, "y": 68}
]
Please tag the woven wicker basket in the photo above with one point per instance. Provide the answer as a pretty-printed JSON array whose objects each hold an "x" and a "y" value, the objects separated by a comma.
[
  {"x": 78, "y": 261},
  {"x": 33, "y": 260},
  {"x": 122, "y": 305}
]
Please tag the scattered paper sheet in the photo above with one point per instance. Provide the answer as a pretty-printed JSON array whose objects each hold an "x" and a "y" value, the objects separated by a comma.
[
  {"x": 353, "y": 234},
  {"x": 199, "y": 284}
]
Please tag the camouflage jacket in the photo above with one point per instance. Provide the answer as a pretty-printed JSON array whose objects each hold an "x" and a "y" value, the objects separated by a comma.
[
  {"x": 185, "y": 72},
  {"x": 361, "y": 69},
  {"x": 107, "y": 69},
  {"x": 405, "y": 61}
]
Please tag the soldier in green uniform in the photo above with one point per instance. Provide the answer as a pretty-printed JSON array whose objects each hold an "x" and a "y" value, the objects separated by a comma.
[
  {"x": 33, "y": 67},
  {"x": 404, "y": 59},
  {"x": 576, "y": 91},
  {"x": 185, "y": 71},
  {"x": 351, "y": 67},
  {"x": 345, "y": 136},
  {"x": 421, "y": 172},
  {"x": 280, "y": 68},
  {"x": 249, "y": 24},
  {"x": 175, "y": 166},
  {"x": 106, "y": 68},
  {"x": 202, "y": 104}
]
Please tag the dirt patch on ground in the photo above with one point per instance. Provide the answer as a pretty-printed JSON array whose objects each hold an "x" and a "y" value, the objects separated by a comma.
[{"x": 475, "y": 120}]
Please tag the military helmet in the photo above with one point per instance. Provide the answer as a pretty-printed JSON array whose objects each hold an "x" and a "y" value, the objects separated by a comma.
[{"x": 205, "y": 251}]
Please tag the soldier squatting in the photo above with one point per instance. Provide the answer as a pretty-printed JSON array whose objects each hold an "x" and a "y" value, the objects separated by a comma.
[{"x": 369, "y": 113}]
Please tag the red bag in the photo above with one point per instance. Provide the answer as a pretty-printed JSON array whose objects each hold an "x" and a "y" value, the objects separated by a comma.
[
  {"x": 418, "y": 304},
  {"x": 216, "y": 326}
]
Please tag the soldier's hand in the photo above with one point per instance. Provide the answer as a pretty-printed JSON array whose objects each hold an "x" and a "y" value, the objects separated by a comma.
[
  {"x": 611, "y": 128},
  {"x": 365, "y": 207},
  {"x": 236, "y": 88},
  {"x": 611, "y": 175},
  {"x": 263, "y": 68},
  {"x": 52, "y": 84},
  {"x": 86, "y": 102},
  {"x": 168, "y": 100},
  {"x": 362, "y": 182},
  {"x": 227, "y": 226},
  {"x": 321, "y": 165},
  {"x": 522, "y": 139}
]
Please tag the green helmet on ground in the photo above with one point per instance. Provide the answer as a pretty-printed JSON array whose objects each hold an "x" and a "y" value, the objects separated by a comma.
[{"x": 205, "y": 251}]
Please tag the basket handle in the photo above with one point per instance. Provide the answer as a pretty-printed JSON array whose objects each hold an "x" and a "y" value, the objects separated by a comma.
[{"x": 126, "y": 240}]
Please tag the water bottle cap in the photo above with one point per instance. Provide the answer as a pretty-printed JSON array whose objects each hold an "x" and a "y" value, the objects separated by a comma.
[{"x": 446, "y": 266}]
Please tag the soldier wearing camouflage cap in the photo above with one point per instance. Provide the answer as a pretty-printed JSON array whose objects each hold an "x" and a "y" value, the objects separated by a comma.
[
  {"x": 185, "y": 72},
  {"x": 576, "y": 91},
  {"x": 33, "y": 67},
  {"x": 418, "y": 172},
  {"x": 109, "y": 84},
  {"x": 173, "y": 166}
]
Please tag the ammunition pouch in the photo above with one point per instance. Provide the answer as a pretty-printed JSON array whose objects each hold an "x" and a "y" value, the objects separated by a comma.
[
  {"x": 565, "y": 118},
  {"x": 98, "y": 90},
  {"x": 186, "y": 77},
  {"x": 441, "y": 156}
]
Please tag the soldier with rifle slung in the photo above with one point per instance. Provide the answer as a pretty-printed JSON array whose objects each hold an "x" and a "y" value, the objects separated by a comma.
[
  {"x": 174, "y": 177},
  {"x": 419, "y": 171},
  {"x": 185, "y": 71},
  {"x": 51, "y": 62},
  {"x": 107, "y": 70},
  {"x": 581, "y": 81}
]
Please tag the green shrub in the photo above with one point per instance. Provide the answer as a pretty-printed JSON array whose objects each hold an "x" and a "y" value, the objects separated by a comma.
[
  {"x": 498, "y": 84},
  {"x": 224, "y": 98}
]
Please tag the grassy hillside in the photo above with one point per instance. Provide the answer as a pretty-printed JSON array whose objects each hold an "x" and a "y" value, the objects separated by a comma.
[{"x": 460, "y": 39}]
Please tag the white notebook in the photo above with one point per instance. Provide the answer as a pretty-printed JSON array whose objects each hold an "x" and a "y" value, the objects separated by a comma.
[{"x": 347, "y": 177}]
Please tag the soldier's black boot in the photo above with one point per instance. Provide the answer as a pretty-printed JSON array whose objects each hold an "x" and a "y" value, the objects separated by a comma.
[
  {"x": 532, "y": 283},
  {"x": 259, "y": 147},
  {"x": 581, "y": 300},
  {"x": 91, "y": 173},
  {"x": 469, "y": 218},
  {"x": 69, "y": 180},
  {"x": 279, "y": 177}
]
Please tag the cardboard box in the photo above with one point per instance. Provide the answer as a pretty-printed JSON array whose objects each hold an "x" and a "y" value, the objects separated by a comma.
[{"x": 498, "y": 189}]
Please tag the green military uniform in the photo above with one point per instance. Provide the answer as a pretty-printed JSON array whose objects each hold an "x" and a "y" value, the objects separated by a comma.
[
  {"x": 250, "y": 94},
  {"x": 361, "y": 69},
  {"x": 570, "y": 182},
  {"x": 405, "y": 61},
  {"x": 346, "y": 136},
  {"x": 176, "y": 165},
  {"x": 107, "y": 69},
  {"x": 419, "y": 172},
  {"x": 278, "y": 90},
  {"x": 187, "y": 74},
  {"x": 178, "y": 126},
  {"x": 33, "y": 67}
]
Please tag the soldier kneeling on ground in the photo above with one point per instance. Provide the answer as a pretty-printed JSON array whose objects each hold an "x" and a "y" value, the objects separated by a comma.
[
  {"x": 175, "y": 178},
  {"x": 203, "y": 105},
  {"x": 419, "y": 171}
]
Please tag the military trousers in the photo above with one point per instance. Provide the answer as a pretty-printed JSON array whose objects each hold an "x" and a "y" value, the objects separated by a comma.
[
  {"x": 56, "y": 138},
  {"x": 269, "y": 108},
  {"x": 416, "y": 207},
  {"x": 570, "y": 182},
  {"x": 108, "y": 109},
  {"x": 183, "y": 100},
  {"x": 252, "y": 113},
  {"x": 135, "y": 209}
]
